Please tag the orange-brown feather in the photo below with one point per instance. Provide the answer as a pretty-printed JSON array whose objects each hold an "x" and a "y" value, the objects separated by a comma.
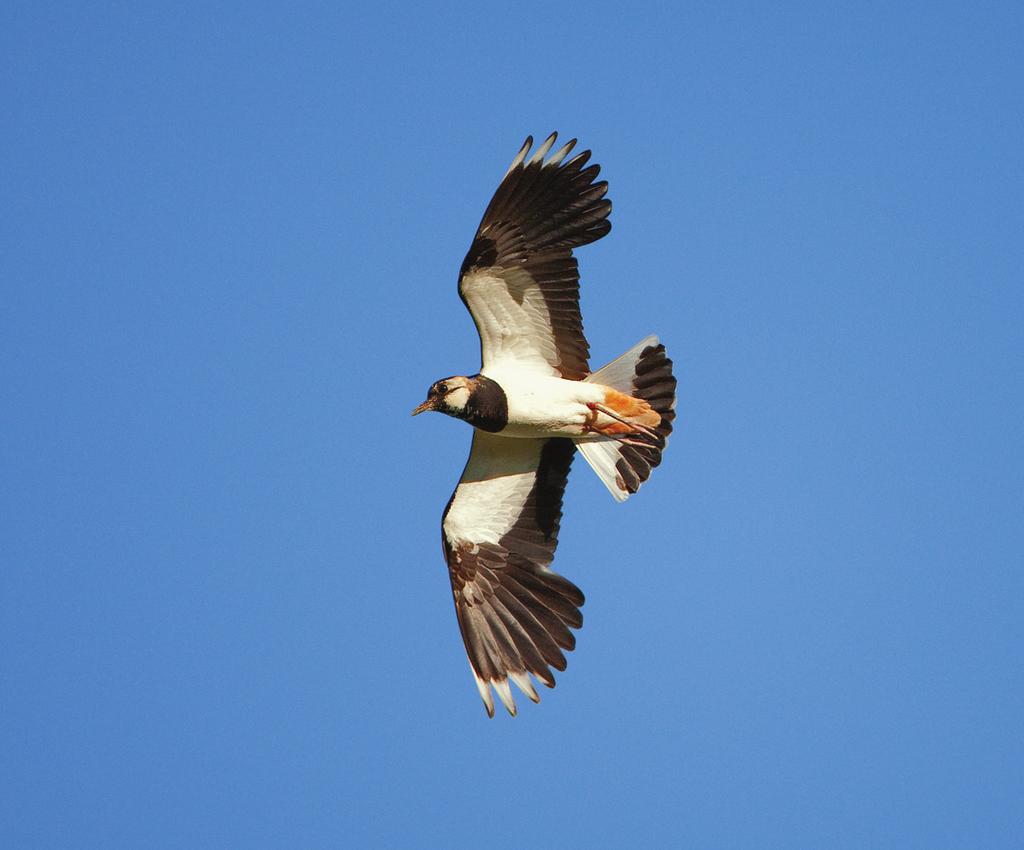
[{"x": 634, "y": 409}]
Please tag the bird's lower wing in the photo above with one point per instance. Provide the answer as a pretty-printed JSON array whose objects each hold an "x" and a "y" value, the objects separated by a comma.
[{"x": 499, "y": 534}]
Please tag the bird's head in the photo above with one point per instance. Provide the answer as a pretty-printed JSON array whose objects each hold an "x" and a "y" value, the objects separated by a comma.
[{"x": 449, "y": 395}]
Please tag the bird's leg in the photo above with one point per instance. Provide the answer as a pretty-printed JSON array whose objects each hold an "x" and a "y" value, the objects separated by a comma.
[
  {"x": 625, "y": 439},
  {"x": 629, "y": 441},
  {"x": 636, "y": 426}
]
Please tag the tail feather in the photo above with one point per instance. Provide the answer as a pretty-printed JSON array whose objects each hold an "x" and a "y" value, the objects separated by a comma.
[
  {"x": 644, "y": 372},
  {"x": 620, "y": 372}
]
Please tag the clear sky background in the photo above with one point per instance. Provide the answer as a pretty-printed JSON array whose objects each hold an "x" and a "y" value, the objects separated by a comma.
[{"x": 230, "y": 237}]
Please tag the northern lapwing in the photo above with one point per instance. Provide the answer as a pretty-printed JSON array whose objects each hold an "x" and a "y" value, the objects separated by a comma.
[{"x": 532, "y": 404}]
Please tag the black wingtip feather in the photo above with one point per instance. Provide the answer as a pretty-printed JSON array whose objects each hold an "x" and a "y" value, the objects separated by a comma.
[{"x": 540, "y": 190}]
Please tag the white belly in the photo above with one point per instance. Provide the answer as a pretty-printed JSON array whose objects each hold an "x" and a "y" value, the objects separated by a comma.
[{"x": 543, "y": 405}]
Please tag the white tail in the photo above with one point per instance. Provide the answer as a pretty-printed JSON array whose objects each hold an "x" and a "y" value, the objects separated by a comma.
[{"x": 643, "y": 372}]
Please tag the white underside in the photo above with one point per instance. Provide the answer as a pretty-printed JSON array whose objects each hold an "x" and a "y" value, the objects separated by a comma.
[{"x": 541, "y": 405}]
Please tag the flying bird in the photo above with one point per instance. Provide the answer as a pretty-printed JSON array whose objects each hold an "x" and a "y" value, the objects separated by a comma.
[{"x": 532, "y": 404}]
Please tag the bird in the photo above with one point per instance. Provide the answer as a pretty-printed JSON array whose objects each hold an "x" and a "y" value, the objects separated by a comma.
[{"x": 532, "y": 404}]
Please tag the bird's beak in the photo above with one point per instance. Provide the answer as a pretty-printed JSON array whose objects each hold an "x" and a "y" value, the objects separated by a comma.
[{"x": 427, "y": 405}]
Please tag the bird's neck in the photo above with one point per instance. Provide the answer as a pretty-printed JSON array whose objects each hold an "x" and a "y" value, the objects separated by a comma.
[{"x": 487, "y": 407}]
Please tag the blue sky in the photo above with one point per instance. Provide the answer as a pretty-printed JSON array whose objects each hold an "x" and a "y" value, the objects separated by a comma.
[{"x": 230, "y": 237}]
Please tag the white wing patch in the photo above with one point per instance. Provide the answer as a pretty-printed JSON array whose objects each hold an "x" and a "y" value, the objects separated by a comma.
[
  {"x": 493, "y": 489},
  {"x": 512, "y": 318}
]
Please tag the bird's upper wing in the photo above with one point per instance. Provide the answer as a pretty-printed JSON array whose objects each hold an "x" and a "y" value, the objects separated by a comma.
[
  {"x": 499, "y": 534},
  {"x": 520, "y": 280}
]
